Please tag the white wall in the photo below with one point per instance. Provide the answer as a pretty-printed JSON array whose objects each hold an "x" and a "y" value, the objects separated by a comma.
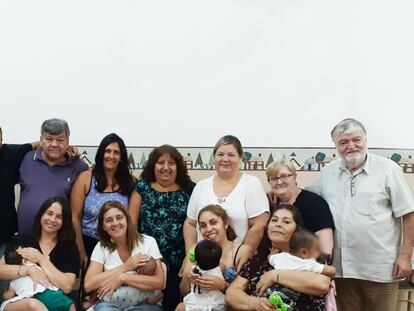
[{"x": 275, "y": 73}]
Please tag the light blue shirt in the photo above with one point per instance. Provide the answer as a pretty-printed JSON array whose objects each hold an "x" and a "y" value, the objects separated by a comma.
[{"x": 367, "y": 207}]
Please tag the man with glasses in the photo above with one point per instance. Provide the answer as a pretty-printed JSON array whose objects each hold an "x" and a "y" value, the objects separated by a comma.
[
  {"x": 372, "y": 207},
  {"x": 48, "y": 171}
]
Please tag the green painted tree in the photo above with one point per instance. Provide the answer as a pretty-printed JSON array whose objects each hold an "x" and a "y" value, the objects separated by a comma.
[
  {"x": 269, "y": 160},
  {"x": 396, "y": 157},
  {"x": 246, "y": 157},
  {"x": 320, "y": 156},
  {"x": 131, "y": 161},
  {"x": 199, "y": 161},
  {"x": 143, "y": 160},
  {"x": 211, "y": 162}
]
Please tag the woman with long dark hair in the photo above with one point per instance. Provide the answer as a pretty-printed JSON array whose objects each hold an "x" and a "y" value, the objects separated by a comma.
[
  {"x": 54, "y": 261},
  {"x": 110, "y": 179}
]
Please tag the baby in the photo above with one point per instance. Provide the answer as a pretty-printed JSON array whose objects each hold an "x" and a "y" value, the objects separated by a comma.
[
  {"x": 52, "y": 297},
  {"x": 125, "y": 296},
  {"x": 304, "y": 248},
  {"x": 208, "y": 255}
]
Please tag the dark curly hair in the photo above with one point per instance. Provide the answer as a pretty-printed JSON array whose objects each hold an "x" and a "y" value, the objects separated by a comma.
[
  {"x": 183, "y": 179},
  {"x": 123, "y": 176}
]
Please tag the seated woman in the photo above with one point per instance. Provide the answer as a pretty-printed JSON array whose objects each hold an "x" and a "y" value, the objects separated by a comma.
[
  {"x": 115, "y": 260},
  {"x": 54, "y": 261},
  {"x": 246, "y": 291},
  {"x": 214, "y": 225}
]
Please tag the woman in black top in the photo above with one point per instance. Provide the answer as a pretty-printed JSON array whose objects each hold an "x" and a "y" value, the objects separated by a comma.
[
  {"x": 317, "y": 217},
  {"x": 52, "y": 249}
]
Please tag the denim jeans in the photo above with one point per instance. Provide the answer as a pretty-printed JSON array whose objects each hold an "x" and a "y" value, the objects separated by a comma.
[{"x": 104, "y": 306}]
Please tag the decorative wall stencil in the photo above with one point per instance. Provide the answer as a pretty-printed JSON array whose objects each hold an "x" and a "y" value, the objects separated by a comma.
[{"x": 256, "y": 158}]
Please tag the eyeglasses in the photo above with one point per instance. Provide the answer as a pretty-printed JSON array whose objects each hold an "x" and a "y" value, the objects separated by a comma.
[{"x": 282, "y": 178}]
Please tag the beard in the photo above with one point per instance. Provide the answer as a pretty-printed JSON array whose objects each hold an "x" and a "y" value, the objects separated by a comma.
[{"x": 355, "y": 160}]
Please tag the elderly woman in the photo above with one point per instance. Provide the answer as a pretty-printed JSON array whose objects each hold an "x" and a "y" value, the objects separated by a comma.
[
  {"x": 50, "y": 259},
  {"x": 317, "y": 217},
  {"x": 241, "y": 195},
  {"x": 118, "y": 256},
  {"x": 163, "y": 194},
  {"x": 245, "y": 293},
  {"x": 109, "y": 180},
  {"x": 215, "y": 225}
]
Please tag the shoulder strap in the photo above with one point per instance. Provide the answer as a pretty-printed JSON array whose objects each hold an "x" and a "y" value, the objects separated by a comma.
[{"x": 235, "y": 255}]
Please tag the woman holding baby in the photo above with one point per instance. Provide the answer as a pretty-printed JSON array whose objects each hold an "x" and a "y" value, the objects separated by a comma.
[
  {"x": 44, "y": 264},
  {"x": 247, "y": 291},
  {"x": 214, "y": 224},
  {"x": 115, "y": 271}
]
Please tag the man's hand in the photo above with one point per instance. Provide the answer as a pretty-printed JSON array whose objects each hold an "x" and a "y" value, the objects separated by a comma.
[{"x": 402, "y": 266}]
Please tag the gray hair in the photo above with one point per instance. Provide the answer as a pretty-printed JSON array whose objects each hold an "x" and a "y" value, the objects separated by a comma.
[
  {"x": 345, "y": 125},
  {"x": 55, "y": 127}
]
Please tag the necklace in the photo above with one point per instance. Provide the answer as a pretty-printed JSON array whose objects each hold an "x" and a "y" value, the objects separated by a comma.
[{"x": 221, "y": 200}]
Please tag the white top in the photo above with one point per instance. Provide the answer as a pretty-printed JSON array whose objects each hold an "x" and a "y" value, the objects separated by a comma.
[
  {"x": 286, "y": 261},
  {"x": 247, "y": 200},
  {"x": 24, "y": 288},
  {"x": 112, "y": 260},
  {"x": 205, "y": 299},
  {"x": 366, "y": 207}
]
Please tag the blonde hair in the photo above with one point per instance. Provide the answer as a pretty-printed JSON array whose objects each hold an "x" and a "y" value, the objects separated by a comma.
[{"x": 274, "y": 168}]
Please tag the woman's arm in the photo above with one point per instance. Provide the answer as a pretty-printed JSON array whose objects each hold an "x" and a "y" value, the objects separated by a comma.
[
  {"x": 301, "y": 281},
  {"x": 134, "y": 207},
  {"x": 190, "y": 233},
  {"x": 256, "y": 229},
  {"x": 10, "y": 272},
  {"x": 326, "y": 240},
  {"x": 237, "y": 298},
  {"x": 62, "y": 280},
  {"x": 96, "y": 274},
  {"x": 145, "y": 282},
  {"x": 139, "y": 281},
  {"x": 77, "y": 199},
  {"x": 187, "y": 275},
  {"x": 245, "y": 252}
]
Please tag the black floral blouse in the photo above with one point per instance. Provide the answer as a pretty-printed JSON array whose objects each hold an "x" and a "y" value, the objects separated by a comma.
[{"x": 253, "y": 269}]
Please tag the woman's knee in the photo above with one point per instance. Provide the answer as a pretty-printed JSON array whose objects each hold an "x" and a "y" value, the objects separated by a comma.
[
  {"x": 27, "y": 304},
  {"x": 104, "y": 306},
  {"x": 145, "y": 307}
]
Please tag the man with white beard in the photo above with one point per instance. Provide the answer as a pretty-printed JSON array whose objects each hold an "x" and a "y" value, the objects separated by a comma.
[{"x": 372, "y": 207}]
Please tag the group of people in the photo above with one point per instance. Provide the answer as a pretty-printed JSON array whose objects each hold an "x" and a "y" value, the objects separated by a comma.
[{"x": 162, "y": 242}]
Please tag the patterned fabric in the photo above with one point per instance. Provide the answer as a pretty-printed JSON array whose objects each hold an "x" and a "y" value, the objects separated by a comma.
[
  {"x": 93, "y": 204},
  {"x": 253, "y": 270},
  {"x": 162, "y": 217},
  {"x": 230, "y": 274}
]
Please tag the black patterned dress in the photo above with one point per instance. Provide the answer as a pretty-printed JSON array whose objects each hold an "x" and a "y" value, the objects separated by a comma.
[
  {"x": 162, "y": 217},
  {"x": 254, "y": 268}
]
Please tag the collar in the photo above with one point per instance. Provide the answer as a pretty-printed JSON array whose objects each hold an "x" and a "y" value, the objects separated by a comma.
[
  {"x": 366, "y": 167},
  {"x": 37, "y": 156}
]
